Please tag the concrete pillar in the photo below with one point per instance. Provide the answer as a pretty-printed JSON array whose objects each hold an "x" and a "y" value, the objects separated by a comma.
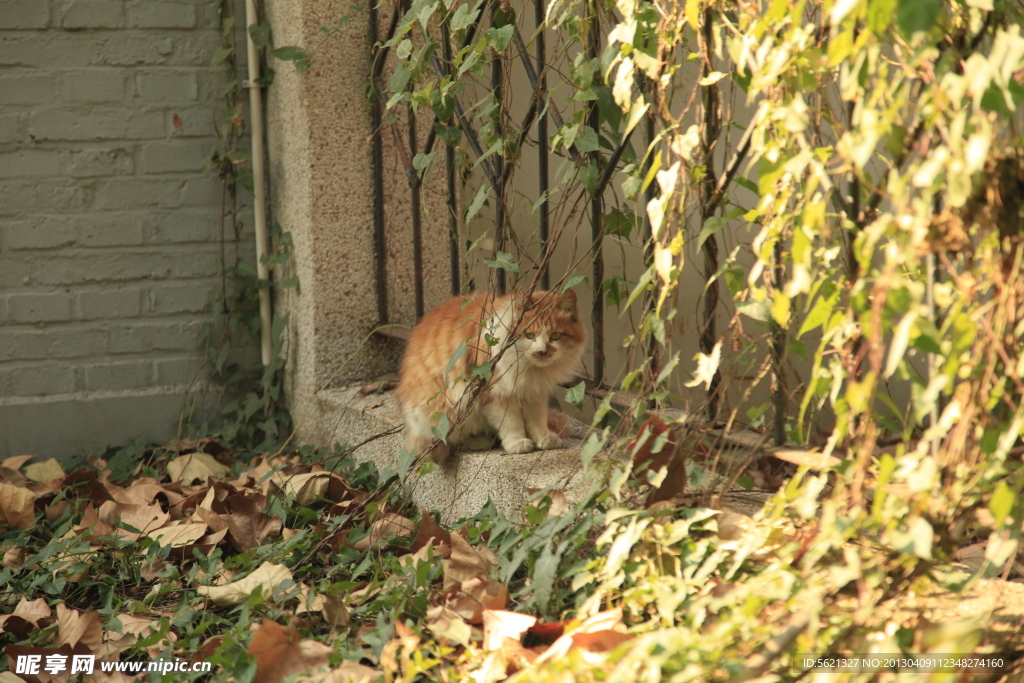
[{"x": 321, "y": 174}]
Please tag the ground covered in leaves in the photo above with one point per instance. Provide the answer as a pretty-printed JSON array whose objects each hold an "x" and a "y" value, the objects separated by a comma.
[
  {"x": 303, "y": 565},
  {"x": 284, "y": 564}
]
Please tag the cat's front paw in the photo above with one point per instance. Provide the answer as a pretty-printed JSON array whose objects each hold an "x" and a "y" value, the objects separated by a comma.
[
  {"x": 518, "y": 446},
  {"x": 549, "y": 440}
]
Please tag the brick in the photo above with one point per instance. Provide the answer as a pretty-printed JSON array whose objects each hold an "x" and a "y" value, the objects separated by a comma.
[
  {"x": 40, "y": 49},
  {"x": 104, "y": 267},
  {"x": 178, "y": 370},
  {"x": 94, "y": 85},
  {"x": 63, "y": 342},
  {"x": 29, "y": 162},
  {"x": 12, "y": 127},
  {"x": 96, "y": 123},
  {"x": 188, "y": 225},
  {"x": 113, "y": 229},
  {"x": 192, "y": 298},
  {"x": 31, "y": 87},
  {"x": 152, "y": 14},
  {"x": 95, "y": 163},
  {"x": 166, "y": 85},
  {"x": 38, "y": 380},
  {"x": 19, "y": 197},
  {"x": 176, "y": 156},
  {"x": 41, "y": 233},
  {"x": 199, "y": 265},
  {"x": 202, "y": 191},
  {"x": 92, "y": 14},
  {"x": 25, "y": 14},
  {"x": 136, "y": 193},
  {"x": 193, "y": 122},
  {"x": 15, "y": 272},
  {"x": 106, "y": 304},
  {"x": 134, "y": 374},
  {"x": 156, "y": 336},
  {"x": 37, "y": 308}
]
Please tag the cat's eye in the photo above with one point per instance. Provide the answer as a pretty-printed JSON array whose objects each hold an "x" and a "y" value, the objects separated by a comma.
[
  {"x": 555, "y": 336},
  {"x": 530, "y": 335}
]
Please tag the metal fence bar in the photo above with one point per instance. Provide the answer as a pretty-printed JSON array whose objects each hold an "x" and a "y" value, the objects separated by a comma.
[
  {"x": 449, "y": 166},
  {"x": 377, "y": 156},
  {"x": 542, "y": 144},
  {"x": 499, "y": 163},
  {"x": 596, "y": 226},
  {"x": 417, "y": 238}
]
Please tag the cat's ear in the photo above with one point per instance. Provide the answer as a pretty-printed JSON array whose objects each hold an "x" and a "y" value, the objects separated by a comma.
[
  {"x": 518, "y": 298},
  {"x": 567, "y": 303}
]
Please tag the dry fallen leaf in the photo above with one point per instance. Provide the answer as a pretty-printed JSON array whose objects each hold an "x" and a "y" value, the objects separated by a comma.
[
  {"x": 17, "y": 508},
  {"x": 465, "y": 563},
  {"x": 384, "y": 528},
  {"x": 195, "y": 466},
  {"x": 280, "y": 653},
  {"x": 268, "y": 577},
  {"x": 79, "y": 628},
  {"x": 348, "y": 672},
  {"x": 668, "y": 457},
  {"x": 14, "y": 557},
  {"x": 595, "y": 636},
  {"x": 499, "y": 625},
  {"x": 180, "y": 535},
  {"x": 28, "y": 615},
  {"x": 15, "y": 462},
  {"x": 44, "y": 471}
]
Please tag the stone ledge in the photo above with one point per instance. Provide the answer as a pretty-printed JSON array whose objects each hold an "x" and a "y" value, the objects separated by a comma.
[{"x": 462, "y": 487}]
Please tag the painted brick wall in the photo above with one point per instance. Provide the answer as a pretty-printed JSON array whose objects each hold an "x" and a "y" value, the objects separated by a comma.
[{"x": 109, "y": 237}]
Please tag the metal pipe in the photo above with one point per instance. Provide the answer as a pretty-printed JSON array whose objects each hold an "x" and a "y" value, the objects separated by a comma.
[{"x": 259, "y": 188}]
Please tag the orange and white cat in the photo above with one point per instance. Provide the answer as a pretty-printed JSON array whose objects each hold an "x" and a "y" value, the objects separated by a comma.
[{"x": 533, "y": 344}]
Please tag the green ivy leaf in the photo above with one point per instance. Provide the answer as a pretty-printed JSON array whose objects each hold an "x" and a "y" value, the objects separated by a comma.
[
  {"x": 588, "y": 176},
  {"x": 463, "y": 17},
  {"x": 587, "y": 140},
  {"x": 499, "y": 38},
  {"x": 711, "y": 226},
  {"x": 260, "y": 34},
  {"x": 917, "y": 15},
  {"x": 449, "y": 135},
  {"x": 505, "y": 262},
  {"x": 1001, "y": 503},
  {"x": 405, "y": 461},
  {"x": 576, "y": 394},
  {"x": 292, "y": 54},
  {"x": 421, "y": 161},
  {"x": 572, "y": 281},
  {"x": 440, "y": 430},
  {"x": 478, "y": 201}
]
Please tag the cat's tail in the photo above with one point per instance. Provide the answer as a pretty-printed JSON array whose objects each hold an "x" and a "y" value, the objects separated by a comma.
[{"x": 557, "y": 421}]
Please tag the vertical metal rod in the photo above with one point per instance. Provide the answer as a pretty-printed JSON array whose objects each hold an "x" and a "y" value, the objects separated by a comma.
[
  {"x": 778, "y": 348},
  {"x": 377, "y": 154},
  {"x": 712, "y": 127},
  {"x": 417, "y": 241},
  {"x": 596, "y": 226},
  {"x": 542, "y": 141},
  {"x": 449, "y": 161},
  {"x": 499, "y": 164},
  {"x": 654, "y": 367}
]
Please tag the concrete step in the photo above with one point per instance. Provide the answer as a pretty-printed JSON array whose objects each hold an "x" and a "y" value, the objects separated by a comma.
[{"x": 465, "y": 483}]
